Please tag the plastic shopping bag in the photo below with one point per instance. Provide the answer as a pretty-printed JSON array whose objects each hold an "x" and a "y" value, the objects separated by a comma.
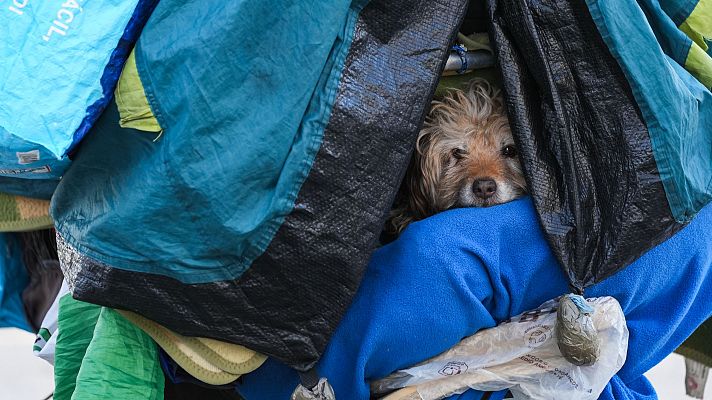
[
  {"x": 61, "y": 60},
  {"x": 522, "y": 355}
]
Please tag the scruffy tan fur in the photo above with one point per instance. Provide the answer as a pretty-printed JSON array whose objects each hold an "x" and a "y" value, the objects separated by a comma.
[{"x": 465, "y": 141}]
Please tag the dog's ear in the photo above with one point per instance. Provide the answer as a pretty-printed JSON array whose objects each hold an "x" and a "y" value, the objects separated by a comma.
[
  {"x": 418, "y": 193},
  {"x": 400, "y": 218},
  {"x": 402, "y": 214},
  {"x": 426, "y": 171}
]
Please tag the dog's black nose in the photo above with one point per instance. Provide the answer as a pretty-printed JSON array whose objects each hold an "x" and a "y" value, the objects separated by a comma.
[{"x": 484, "y": 188}]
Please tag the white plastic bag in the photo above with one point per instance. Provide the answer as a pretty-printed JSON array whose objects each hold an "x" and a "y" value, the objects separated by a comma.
[
  {"x": 46, "y": 341},
  {"x": 521, "y": 355},
  {"x": 696, "y": 375}
]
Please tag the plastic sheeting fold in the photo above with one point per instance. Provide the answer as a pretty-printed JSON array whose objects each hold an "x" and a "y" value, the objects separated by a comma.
[
  {"x": 584, "y": 145},
  {"x": 289, "y": 300}
]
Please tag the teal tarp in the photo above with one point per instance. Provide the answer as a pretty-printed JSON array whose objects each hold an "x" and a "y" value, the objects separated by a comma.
[
  {"x": 643, "y": 36},
  {"x": 287, "y": 126},
  {"x": 13, "y": 280},
  {"x": 243, "y": 100}
]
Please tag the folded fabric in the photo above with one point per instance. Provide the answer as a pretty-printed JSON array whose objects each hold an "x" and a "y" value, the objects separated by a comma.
[
  {"x": 176, "y": 374},
  {"x": 75, "y": 330},
  {"x": 661, "y": 48},
  {"x": 211, "y": 361},
  {"x": 134, "y": 110},
  {"x": 33, "y": 188},
  {"x": 121, "y": 362},
  {"x": 19, "y": 214},
  {"x": 463, "y": 270},
  {"x": 112, "y": 354}
]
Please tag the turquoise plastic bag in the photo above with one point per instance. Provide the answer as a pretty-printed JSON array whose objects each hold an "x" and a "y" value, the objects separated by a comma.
[
  {"x": 13, "y": 280},
  {"x": 60, "y": 64}
]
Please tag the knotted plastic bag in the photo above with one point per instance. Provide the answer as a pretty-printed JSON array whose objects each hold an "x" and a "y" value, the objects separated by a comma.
[{"x": 521, "y": 354}]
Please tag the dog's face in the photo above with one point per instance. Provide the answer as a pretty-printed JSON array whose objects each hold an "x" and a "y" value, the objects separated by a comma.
[
  {"x": 465, "y": 156},
  {"x": 479, "y": 164}
]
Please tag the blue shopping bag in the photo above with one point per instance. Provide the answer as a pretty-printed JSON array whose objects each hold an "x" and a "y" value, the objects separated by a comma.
[{"x": 61, "y": 61}]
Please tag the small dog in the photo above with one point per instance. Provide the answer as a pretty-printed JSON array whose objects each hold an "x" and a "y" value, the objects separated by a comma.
[{"x": 465, "y": 157}]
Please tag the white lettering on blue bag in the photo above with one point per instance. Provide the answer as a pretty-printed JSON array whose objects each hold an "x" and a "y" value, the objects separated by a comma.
[{"x": 54, "y": 55}]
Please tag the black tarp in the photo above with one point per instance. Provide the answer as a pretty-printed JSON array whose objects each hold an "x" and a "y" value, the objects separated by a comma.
[{"x": 583, "y": 143}]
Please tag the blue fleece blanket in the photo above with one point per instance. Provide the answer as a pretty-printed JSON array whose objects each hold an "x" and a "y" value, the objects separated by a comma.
[{"x": 464, "y": 270}]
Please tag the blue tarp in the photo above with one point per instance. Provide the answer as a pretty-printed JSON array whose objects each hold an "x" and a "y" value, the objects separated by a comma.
[
  {"x": 287, "y": 126},
  {"x": 61, "y": 61},
  {"x": 463, "y": 270}
]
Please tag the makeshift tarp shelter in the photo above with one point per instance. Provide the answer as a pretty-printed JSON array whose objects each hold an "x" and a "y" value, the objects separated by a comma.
[{"x": 287, "y": 126}]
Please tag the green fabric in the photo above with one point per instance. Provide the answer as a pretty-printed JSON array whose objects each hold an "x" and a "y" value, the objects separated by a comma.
[
  {"x": 101, "y": 355},
  {"x": 8, "y": 208},
  {"x": 19, "y": 214},
  {"x": 697, "y": 27},
  {"x": 121, "y": 362},
  {"x": 75, "y": 330},
  {"x": 699, "y": 64},
  {"x": 134, "y": 111},
  {"x": 698, "y": 347}
]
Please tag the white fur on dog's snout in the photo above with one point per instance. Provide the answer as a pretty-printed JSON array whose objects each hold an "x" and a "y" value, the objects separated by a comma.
[{"x": 505, "y": 192}]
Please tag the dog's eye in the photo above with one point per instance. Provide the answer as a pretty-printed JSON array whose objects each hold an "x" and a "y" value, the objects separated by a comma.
[
  {"x": 458, "y": 154},
  {"x": 509, "y": 151}
]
